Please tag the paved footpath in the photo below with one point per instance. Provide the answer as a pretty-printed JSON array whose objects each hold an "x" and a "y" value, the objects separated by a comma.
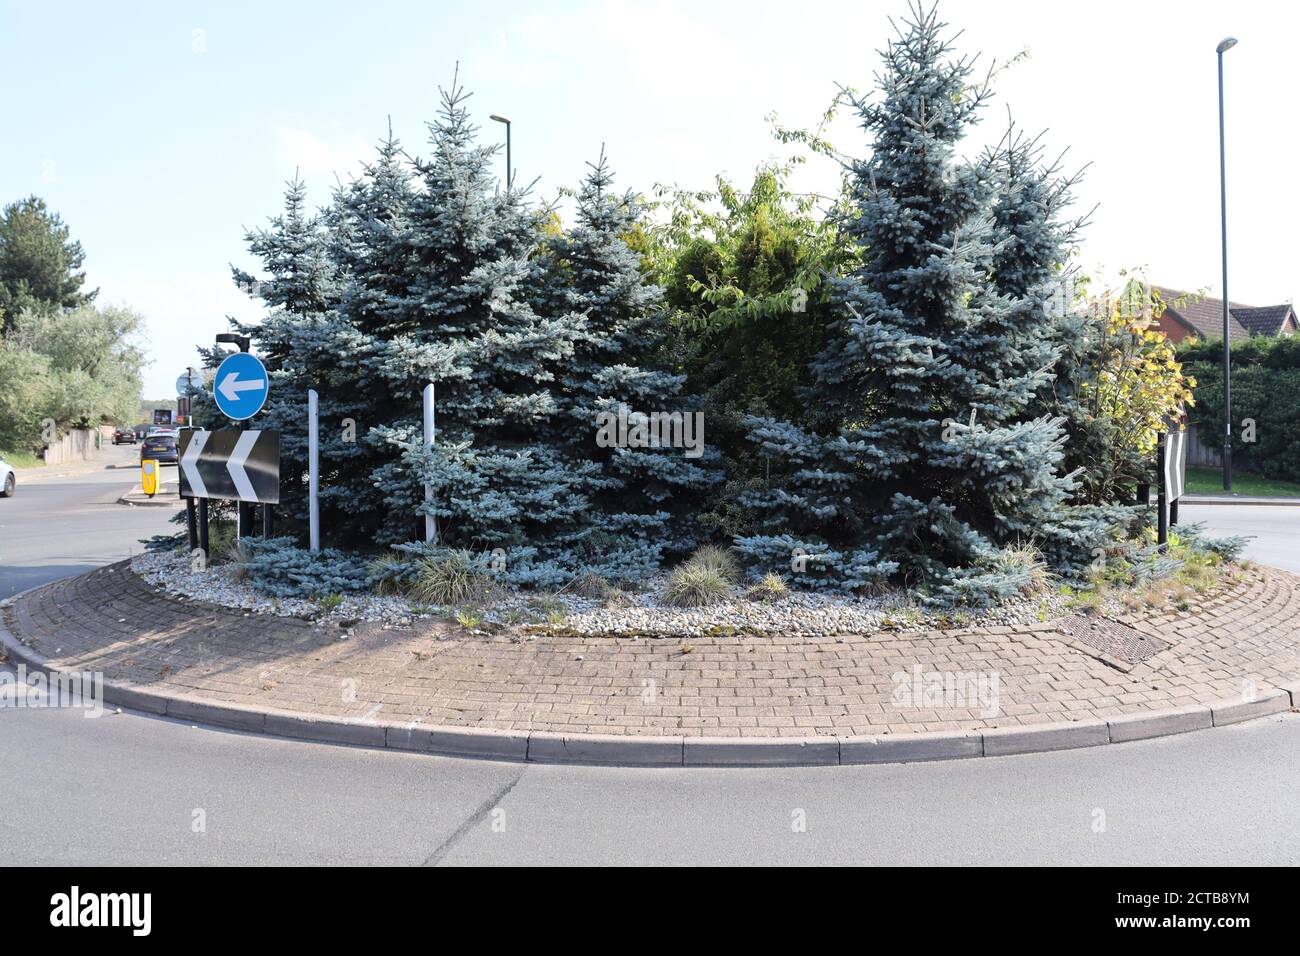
[{"x": 1238, "y": 656}]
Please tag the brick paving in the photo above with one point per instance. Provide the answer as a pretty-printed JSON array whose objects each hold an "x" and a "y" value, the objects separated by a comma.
[{"x": 1243, "y": 638}]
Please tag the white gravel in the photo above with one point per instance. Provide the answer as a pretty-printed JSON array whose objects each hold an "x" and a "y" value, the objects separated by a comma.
[{"x": 799, "y": 613}]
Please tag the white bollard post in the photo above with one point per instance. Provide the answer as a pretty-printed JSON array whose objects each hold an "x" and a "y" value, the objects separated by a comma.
[
  {"x": 430, "y": 522},
  {"x": 313, "y": 467}
]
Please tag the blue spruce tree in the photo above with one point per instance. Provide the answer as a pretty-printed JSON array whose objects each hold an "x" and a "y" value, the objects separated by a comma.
[
  {"x": 644, "y": 501},
  {"x": 929, "y": 460},
  {"x": 1031, "y": 265},
  {"x": 464, "y": 320},
  {"x": 297, "y": 288}
]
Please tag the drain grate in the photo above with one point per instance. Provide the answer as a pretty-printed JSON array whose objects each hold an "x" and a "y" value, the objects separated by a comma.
[{"x": 1115, "y": 643}]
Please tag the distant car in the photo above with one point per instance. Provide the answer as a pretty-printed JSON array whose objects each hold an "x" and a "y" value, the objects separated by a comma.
[
  {"x": 124, "y": 436},
  {"x": 161, "y": 448},
  {"x": 7, "y": 480}
]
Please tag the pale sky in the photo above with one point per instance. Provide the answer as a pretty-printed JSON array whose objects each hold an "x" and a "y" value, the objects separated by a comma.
[{"x": 160, "y": 130}]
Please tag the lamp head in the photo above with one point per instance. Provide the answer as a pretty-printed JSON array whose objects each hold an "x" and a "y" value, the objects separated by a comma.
[
  {"x": 1227, "y": 43},
  {"x": 505, "y": 119}
]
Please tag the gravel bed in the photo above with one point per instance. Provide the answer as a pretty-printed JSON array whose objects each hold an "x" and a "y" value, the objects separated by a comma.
[{"x": 797, "y": 614}]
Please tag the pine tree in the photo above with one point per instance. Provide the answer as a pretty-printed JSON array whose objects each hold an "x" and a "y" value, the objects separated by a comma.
[
  {"x": 298, "y": 287},
  {"x": 464, "y": 320},
  {"x": 1032, "y": 242},
  {"x": 930, "y": 461},
  {"x": 368, "y": 245},
  {"x": 643, "y": 501},
  {"x": 39, "y": 262}
]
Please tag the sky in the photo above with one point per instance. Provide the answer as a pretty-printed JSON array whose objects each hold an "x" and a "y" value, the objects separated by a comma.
[{"x": 161, "y": 131}]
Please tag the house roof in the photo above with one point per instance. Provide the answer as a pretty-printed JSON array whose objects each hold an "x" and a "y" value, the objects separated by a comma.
[
  {"x": 1204, "y": 315},
  {"x": 1265, "y": 320}
]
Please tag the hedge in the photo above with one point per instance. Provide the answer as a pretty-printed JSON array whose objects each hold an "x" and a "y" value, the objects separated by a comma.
[{"x": 1265, "y": 390}]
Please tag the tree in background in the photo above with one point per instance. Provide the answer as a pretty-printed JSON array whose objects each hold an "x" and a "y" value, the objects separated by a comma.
[
  {"x": 76, "y": 369},
  {"x": 933, "y": 462},
  {"x": 24, "y": 396},
  {"x": 39, "y": 262}
]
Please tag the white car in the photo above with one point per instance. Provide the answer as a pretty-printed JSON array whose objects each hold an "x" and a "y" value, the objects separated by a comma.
[{"x": 7, "y": 480}]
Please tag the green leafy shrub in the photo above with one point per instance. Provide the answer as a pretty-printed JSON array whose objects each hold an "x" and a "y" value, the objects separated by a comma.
[{"x": 469, "y": 619}]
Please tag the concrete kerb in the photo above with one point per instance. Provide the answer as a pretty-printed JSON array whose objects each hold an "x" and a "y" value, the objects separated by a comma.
[
  {"x": 647, "y": 751},
  {"x": 1240, "y": 502},
  {"x": 1237, "y": 709},
  {"x": 167, "y": 498}
]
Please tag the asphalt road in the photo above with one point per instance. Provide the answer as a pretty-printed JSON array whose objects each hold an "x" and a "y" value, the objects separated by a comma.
[
  {"x": 133, "y": 789},
  {"x": 128, "y": 789},
  {"x": 56, "y": 526},
  {"x": 1275, "y": 529}
]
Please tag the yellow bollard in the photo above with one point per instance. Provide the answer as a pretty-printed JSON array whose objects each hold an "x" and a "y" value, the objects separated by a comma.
[{"x": 149, "y": 476}]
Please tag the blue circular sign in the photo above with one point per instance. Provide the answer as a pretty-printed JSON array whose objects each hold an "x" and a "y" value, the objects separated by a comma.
[{"x": 241, "y": 386}]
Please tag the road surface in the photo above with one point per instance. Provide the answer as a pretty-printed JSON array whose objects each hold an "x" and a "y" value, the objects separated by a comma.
[
  {"x": 125, "y": 788},
  {"x": 129, "y": 789},
  {"x": 56, "y": 526},
  {"x": 1275, "y": 529}
]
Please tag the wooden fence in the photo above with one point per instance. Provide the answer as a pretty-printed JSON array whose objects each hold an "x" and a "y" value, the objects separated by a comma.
[{"x": 1202, "y": 453}]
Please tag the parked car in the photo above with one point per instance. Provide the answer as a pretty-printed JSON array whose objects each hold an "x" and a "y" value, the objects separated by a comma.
[
  {"x": 161, "y": 448},
  {"x": 7, "y": 480},
  {"x": 124, "y": 436}
]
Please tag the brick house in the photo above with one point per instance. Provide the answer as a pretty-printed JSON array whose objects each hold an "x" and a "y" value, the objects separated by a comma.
[{"x": 1187, "y": 314}]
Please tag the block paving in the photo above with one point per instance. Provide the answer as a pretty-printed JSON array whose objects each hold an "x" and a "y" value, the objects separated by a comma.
[{"x": 1243, "y": 639}]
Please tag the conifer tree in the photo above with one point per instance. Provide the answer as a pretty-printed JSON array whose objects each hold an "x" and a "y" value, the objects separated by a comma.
[
  {"x": 931, "y": 460},
  {"x": 297, "y": 286},
  {"x": 643, "y": 500},
  {"x": 464, "y": 320},
  {"x": 1032, "y": 241}
]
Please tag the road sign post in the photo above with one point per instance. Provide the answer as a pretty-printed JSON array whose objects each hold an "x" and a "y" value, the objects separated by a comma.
[
  {"x": 203, "y": 527},
  {"x": 430, "y": 521},
  {"x": 191, "y": 524},
  {"x": 1172, "y": 475},
  {"x": 240, "y": 388},
  {"x": 313, "y": 468}
]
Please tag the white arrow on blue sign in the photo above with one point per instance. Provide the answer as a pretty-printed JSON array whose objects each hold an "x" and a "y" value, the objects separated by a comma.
[{"x": 240, "y": 386}]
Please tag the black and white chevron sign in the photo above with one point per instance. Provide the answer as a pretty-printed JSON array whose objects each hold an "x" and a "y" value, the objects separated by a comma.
[
  {"x": 1175, "y": 464},
  {"x": 232, "y": 464}
]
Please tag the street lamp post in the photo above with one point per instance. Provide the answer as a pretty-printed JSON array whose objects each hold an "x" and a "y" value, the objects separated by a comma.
[
  {"x": 1226, "y": 44},
  {"x": 510, "y": 170}
]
